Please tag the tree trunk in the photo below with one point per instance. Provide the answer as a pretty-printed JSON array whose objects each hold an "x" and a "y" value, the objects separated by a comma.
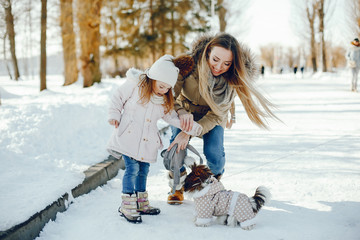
[
  {"x": 9, "y": 19},
  {"x": 172, "y": 32},
  {"x": 163, "y": 31},
  {"x": 311, "y": 19},
  {"x": 68, "y": 42},
  {"x": 222, "y": 14},
  {"x": 321, "y": 30},
  {"x": 43, "y": 46},
  {"x": 5, "y": 60},
  {"x": 313, "y": 50},
  {"x": 152, "y": 28},
  {"x": 89, "y": 23}
]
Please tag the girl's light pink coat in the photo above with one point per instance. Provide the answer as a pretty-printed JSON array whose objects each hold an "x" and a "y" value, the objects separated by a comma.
[{"x": 137, "y": 135}]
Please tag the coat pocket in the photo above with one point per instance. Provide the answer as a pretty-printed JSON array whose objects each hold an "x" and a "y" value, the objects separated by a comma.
[{"x": 124, "y": 124}]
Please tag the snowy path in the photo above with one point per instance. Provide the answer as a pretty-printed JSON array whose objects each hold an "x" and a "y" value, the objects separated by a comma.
[{"x": 310, "y": 162}]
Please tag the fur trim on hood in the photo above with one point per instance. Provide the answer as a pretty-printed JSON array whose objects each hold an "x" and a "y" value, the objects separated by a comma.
[{"x": 134, "y": 74}]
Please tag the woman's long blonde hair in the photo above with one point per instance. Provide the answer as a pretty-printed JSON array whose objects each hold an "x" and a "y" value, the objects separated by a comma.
[
  {"x": 146, "y": 88},
  {"x": 240, "y": 76}
]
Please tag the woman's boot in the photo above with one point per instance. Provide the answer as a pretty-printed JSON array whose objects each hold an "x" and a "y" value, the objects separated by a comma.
[
  {"x": 143, "y": 206},
  {"x": 177, "y": 197},
  {"x": 128, "y": 208}
]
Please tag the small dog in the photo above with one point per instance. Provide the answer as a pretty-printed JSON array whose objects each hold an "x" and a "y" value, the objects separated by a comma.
[{"x": 211, "y": 199}]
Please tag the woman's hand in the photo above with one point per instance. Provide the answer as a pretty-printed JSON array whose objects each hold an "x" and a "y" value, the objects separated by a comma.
[
  {"x": 229, "y": 123},
  {"x": 182, "y": 139},
  {"x": 114, "y": 123},
  {"x": 186, "y": 120}
]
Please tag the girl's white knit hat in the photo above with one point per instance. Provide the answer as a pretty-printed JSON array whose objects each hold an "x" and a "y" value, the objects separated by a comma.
[{"x": 164, "y": 70}]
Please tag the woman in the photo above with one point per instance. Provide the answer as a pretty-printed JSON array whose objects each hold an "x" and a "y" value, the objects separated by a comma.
[{"x": 217, "y": 69}]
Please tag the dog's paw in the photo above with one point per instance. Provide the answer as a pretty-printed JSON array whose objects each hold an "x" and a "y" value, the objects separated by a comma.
[
  {"x": 222, "y": 219},
  {"x": 248, "y": 224},
  {"x": 203, "y": 222},
  {"x": 249, "y": 227},
  {"x": 202, "y": 225},
  {"x": 231, "y": 221}
]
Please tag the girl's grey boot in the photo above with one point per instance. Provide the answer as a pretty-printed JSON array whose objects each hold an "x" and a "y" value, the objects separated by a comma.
[
  {"x": 128, "y": 208},
  {"x": 143, "y": 205}
]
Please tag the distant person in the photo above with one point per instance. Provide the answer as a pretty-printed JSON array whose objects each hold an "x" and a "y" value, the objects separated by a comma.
[
  {"x": 295, "y": 69},
  {"x": 353, "y": 58},
  {"x": 302, "y": 71},
  {"x": 262, "y": 71},
  {"x": 135, "y": 108}
]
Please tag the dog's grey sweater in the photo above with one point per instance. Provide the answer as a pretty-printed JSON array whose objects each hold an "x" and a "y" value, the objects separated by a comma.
[{"x": 214, "y": 200}]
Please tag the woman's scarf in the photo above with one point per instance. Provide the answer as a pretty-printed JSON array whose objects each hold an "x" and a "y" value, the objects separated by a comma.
[{"x": 216, "y": 91}]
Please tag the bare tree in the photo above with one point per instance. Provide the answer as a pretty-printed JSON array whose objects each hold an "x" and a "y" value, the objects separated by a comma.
[
  {"x": 267, "y": 54},
  {"x": 222, "y": 14},
  {"x": 311, "y": 15},
  {"x": 3, "y": 37},
  {"x": 305, "y": 21},
  {"x": 43, "y": 45},
  {"x": 321, "y": 14},
  {"x": 353, "y": 17},
  {"x": 9, "y": 20},
  {"x": 230, "y": 11},
  {"x": 337, "y": 56},
  {"x": 88, "y": 17},
  {"x": 325, "y": 10},
  {"x": 68, "y": 42},
  {"x": 290, "y": 57}
]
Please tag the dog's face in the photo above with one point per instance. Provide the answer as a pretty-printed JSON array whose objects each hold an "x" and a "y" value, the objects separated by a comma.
[{"x": 196, "y": 179}]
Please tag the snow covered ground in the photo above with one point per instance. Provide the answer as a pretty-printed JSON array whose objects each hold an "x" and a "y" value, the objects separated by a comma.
[{"x": 310, "y": 162}]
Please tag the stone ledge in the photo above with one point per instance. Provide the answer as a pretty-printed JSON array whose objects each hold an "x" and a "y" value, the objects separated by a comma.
[{"x": 95, "y": 176}]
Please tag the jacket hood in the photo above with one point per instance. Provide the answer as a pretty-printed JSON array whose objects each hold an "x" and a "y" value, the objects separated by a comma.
[
  {"x": 134, "y": 74},
  {"x": 199, "y": 45}
]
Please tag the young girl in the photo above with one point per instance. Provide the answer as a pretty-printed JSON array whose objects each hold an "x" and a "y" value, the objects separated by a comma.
[{"x": 135, "y": 109}]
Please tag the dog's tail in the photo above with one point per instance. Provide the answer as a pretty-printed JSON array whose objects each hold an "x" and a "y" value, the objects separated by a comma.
[{"x": 262, "y": 196}]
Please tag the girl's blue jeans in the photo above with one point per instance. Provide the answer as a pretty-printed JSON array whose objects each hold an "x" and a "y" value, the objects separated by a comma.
[
  {"x": 213, "y": 148},
  {"x": 135, "y": 176}
]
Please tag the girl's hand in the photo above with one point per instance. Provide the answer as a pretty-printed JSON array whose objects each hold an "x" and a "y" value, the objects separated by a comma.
[
  {"x": 186, "y": 120},
  {"x": 182, "y": 139},
  {"x": 114, "y": 122}
]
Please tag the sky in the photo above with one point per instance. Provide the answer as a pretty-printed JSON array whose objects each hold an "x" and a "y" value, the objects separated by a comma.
[
  {"x": 270, "y": 23},
  {"x": 310, "y": 162},
  {"x": 274, "y": 21}
]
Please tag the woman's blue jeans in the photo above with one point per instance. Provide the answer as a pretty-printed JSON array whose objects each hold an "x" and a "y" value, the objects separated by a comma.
[
  {"x": 135, "y": 176},
  {"x": 213, "y": 148}
]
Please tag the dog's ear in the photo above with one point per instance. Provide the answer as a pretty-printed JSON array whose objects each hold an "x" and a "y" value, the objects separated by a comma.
[
  {"x": 200, "y": 170},
  {"x": 193, "y": 166}
]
